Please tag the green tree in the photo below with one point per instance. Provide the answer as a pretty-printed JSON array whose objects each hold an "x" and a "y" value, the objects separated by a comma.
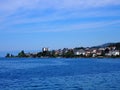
[
  {"x": 22, "y": 54},
  {"x": 12, "y": 55},
  {"x": 53, "y": 54},
  {"x": 69, "y": 54},
  {"x": 7, "y": 55},
  {"x": 39, "y": 54},
  {"x": 45, "y": 53}
]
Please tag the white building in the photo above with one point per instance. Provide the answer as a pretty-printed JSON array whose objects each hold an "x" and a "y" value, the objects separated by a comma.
[
  {"x": 113, "y": 53},
  {"x": 79, "y": 52},
  {"x": 116, "y": 53},
  {"x": 45, "y": 49}
]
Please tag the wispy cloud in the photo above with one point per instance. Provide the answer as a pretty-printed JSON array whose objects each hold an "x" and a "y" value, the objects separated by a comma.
[
  {"x": 56, "y": 4},
  {"x": 45, "y": 13},
  {"x": 84, "y": 27}
]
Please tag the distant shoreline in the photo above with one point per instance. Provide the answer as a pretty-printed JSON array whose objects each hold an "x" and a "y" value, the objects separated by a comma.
[
  {"x": 64, "y": 57},
  {"x": 111, "y": 50}
]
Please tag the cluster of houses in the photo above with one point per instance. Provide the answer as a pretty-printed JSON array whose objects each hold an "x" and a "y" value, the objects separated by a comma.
[
  {"x": 91, "y": 52},
  {"x": 97, "y": 52}
]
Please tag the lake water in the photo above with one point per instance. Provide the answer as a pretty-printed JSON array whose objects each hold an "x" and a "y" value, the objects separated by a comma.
[{"x": 59, "y": 74}]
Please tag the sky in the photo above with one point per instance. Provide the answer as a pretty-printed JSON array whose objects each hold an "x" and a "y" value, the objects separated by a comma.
[{"x": 33, "y": 24}]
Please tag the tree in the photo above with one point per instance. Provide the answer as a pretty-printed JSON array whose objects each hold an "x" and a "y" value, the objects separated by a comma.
[
  {"x": 45, "y": 53},
  {"x": 54, "y": 54},
  {"x": 39, "y": 54},
  {"x": 21, "y": 54},
  {"x": 12, "y": 55},
  {"x": 69, "y": 54},
  {"x": 7, "y": 55}
]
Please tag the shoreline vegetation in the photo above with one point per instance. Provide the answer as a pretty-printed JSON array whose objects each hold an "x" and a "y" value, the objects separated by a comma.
[{"x": 109, "y": 50}]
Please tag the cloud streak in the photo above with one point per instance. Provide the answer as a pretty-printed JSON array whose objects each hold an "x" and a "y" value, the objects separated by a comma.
[
  {"x": 84, "y": 27},
  {"x": 15, "y": 14},
  {"x": 13, "y": 5}
]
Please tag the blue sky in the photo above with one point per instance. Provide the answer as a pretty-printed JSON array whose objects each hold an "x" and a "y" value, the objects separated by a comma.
[{"x": 33, "y": 24}]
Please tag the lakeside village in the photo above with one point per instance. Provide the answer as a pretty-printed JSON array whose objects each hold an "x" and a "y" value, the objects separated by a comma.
[{"x": 108, "y": 51}]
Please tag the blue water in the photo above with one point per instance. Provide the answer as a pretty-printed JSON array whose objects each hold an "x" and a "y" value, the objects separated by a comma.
[{"x": 59, "y": 74}]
